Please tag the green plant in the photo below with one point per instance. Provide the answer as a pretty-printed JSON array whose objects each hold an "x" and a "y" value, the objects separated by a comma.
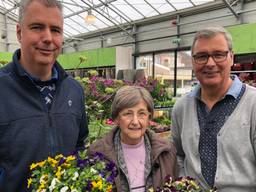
[
  {"x": 97, "y": 130},
  {"x": 3, "y": 62}
]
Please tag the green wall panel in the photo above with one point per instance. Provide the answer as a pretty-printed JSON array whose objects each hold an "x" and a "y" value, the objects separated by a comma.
[
  {"x": 6, "y": 56},
  {"x": 244, "y": 38},
  {"x": 94, "y": 58},
  {"x": 102, "y": 57}
]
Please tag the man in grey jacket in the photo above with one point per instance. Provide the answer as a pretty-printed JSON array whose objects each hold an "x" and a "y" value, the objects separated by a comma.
[{"x": 214, "y": 126}]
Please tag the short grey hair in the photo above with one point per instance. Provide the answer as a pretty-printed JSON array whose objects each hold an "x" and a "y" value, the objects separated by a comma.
[
  {"x": 210, "y": 32},
  {"x": 129, "y": 96},
  {"x": 48, "y": 3}
]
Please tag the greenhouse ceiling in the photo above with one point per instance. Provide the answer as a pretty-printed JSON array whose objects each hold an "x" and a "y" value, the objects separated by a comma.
[{"x": 120, "y": 14}]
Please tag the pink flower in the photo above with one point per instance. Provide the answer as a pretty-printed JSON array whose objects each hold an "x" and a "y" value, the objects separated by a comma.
[
  {"x": 152, "y": 123},
  {"x": 110, "y": 122}
]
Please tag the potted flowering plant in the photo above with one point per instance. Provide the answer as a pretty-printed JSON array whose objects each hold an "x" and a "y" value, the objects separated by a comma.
[
  {"x": 182, "y": 184},
  {"x": 99, "y": 94},
  {"x": 158, "y": 90},
  {"x": 74, "y": 173}
]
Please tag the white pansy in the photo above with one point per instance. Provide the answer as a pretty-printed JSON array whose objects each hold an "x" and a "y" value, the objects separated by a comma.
[
  {"x": 93, "y": 170},
  {"x": 75, "y": 176},
  {"x": 64, "y": 189},
  {"x": 53, "y": 184},
  {"x": 42, "y": 179}
]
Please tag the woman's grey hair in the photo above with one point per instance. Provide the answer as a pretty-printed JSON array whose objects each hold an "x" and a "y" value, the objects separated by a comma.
[
  {"x": 129, "y": 96},
  {"x": 211, "y": 32},
  {"x": 48, "y": 3}
]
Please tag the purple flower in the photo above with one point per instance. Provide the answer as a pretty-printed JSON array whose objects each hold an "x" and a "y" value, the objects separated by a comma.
[
  {"x": 88, "y": 186},
  {"x": 99, "y": 156},
  {"x": 83, "y": 162},
  {"x": 108, "y": 82},
  {"x": 94, "y": 78},
  {"x": 62, "y": 160},
  {"x": 110, "y": 166}
]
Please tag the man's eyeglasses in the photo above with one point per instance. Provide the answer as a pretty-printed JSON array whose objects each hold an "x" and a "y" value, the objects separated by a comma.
[
  {"x": 218, "y": 57},
  {"x": 141, "y": 115}
]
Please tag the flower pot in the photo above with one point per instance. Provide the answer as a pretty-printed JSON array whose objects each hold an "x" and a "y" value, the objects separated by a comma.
[{"x": 165, "y": 134}]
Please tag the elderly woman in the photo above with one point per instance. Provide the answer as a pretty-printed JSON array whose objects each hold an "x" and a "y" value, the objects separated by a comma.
[{"x": 143, "y": 158}]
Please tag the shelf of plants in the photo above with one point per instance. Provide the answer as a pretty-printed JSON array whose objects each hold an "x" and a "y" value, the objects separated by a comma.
[
  {"x": 246, "y": 72},
  {"x": 99, "y": 94}
]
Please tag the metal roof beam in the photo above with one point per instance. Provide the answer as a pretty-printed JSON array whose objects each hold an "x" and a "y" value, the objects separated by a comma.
[
  {"x": 107, "y": 5},
  {"x": 124, "y": 14},
  {"x": 117, "y": 25},
  {"x": 95, "y": 16},
  {"x": 135, "y": 8},
  {"x": 192, "y": 3},
  {"x": 152, "y": 7},
  {"x": 86, "y": 9},
  {"x": 231, "y": 8},
  {"x": 171, "y": 5}
]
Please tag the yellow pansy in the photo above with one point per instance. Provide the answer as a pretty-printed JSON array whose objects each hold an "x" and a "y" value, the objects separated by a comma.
[
  {"x": 59, "y": 156},
  {"x": 29, "y": 182},
  {"x": 58, "y": 173},
  {"x": 42, "y": 163},
  {"x": 52, "y": 161},
  {"x": 97, "y": 185},
  {"x": 70, "y": 158},
  {"x": 33, "y": 166},
  {"x": 109, "y": 188}
]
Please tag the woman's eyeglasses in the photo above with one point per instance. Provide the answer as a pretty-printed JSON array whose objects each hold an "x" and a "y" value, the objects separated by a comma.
[{"x": 141, "y": 115}]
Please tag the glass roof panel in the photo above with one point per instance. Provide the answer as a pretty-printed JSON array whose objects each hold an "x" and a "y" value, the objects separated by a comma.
[
  {"x": 133, "y": 13},
  {"x": 101, "y": 21},
  {"x": 199, "y": 2},
  {"x": 143, "y": 7},
  {"x": 161, "y": 5},
  {"x": 181, "y": 4},
  {"x": 108, "y": 12},
  {"x": 6, "y": 4}
]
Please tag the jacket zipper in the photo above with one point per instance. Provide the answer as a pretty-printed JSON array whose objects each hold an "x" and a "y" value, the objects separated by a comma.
[
  {"x": 51, "y": 131},
  {"x": 51, "y": 138},
  {"x": 49, "y": 127}
]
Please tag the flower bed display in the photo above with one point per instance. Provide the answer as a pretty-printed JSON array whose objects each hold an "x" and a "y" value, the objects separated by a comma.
[{"x": 99, "y": 94}]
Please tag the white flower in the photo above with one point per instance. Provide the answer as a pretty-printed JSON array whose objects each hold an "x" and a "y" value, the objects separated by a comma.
[
  {"x": 42, "y": 178},
  {"x": 53, "y": 184},
  {"x": 64, "y": 189},
  {"x": 75, "y": 176},
  {"x": 74, "y": 190},
  {"x": 93, "y": 170}
]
